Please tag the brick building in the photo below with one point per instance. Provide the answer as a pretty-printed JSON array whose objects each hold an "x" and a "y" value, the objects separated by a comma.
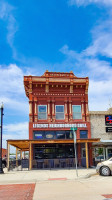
[{"x": 58, "y": 102}]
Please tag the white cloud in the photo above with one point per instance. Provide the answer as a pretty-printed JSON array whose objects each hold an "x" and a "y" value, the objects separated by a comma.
[
  {"x": 6, "y": 14},
  {"x": 11, "y": 79},
  {"x": 15, "y": 131},
  {"x": 102, "y": 42},
  {"x": 87, "y": 2},
  {"x": 99, "y": 73},
  {"x": 12, "y": 92}
]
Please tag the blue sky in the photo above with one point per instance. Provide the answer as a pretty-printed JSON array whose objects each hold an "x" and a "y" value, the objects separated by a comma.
[{"x": 58, "y": 35}]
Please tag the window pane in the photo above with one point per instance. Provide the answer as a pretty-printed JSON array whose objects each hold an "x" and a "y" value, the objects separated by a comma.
[
  {"x": 42, "y": 116},
  {"x": 76, "y": 108},
  {"x": 77, "y": 116},
  {"x": 38, "y": 135},
  {"x": 59, "y": 115},
  {"x": 60, "y": 134},
  {"x": 69, "y": 134},
  {"x": 83, "y": 134},
  {"x": 41, "y": 108},
  {"x": 49, "y": 134},
  {"x": 59, "y": 108}
]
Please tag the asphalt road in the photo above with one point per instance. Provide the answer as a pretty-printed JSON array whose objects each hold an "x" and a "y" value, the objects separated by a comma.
[{"x": 94, "y": 188}]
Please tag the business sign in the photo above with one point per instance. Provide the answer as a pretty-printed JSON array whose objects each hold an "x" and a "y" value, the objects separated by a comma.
[
  {"x": 108, "y": 120},
  {"x": 108, "y": 129},
  {"x": 59, "y": 125},
  {"x": 49, "y": 136}
]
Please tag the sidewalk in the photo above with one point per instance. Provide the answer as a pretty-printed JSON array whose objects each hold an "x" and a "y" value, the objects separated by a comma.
[{"x": 34, "y": 176}]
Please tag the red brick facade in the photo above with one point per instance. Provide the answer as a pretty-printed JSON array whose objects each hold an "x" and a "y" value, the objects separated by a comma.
[{"x": 55, "y": 88}]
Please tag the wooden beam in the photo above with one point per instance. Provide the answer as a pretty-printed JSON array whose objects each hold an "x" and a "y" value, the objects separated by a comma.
[
  {"x": 8, "y": 153},
  {"x": 16, "y": 157},
  {"x": 86, "y": 146},
  {"x": 30, "y": 161}
]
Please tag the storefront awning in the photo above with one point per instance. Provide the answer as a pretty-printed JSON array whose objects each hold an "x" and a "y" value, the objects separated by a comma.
[
  {"x": 103, "y": 143},
  {"x": 25, "y": 144}
]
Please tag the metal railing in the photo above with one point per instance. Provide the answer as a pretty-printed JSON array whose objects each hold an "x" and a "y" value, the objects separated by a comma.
[{"x": 53, "y": 163}]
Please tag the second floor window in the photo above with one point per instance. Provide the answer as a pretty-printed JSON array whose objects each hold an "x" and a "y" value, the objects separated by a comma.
[
  {"x": 76, "y": 109},
  {"x": 59, "y": 112},
  {"x": 42, "y": 112}
]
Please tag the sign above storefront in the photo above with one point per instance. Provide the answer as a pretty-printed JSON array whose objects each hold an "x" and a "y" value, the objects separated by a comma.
[
  {"x": 108, "y": 120},
  {"x": 59, "y": 125},
  {"x": 108, "y": 129}
]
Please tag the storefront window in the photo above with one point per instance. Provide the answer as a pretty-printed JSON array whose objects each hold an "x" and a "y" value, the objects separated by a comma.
[
  {"x": 60, "y": 134},
  {"x": 52, "y": 151},
  {"x": 83, "y": 134},
  {"x": 76, "y": 109},
  {"x": 49, "y": 135},
  {"x": 38, "y": 135},
  {"x": 42, "y": 111},
  {"x": 99, "y": 154},
  {"x": 59, "y": 112},
  {"x": 69, "y": 134}
]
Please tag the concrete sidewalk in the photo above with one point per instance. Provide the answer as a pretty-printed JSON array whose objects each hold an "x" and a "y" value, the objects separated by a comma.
[{"x": 34, "y": 176}]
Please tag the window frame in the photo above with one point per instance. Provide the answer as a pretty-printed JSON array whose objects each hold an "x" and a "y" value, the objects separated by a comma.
[
  {"x": 42, "y": 112},
  {"x": 77, "y": 112},
  {"x": 60, "y": 112}
]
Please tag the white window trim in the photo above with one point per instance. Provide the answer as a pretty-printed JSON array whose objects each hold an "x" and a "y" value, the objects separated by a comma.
[
  {"x": 60, "y": 112},
  {"x": 42, "y": 112},
  {"x": 77, "y": 112}
]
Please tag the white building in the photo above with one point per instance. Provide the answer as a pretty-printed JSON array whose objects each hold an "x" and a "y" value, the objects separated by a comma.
[{"x": 101, "y": 127}]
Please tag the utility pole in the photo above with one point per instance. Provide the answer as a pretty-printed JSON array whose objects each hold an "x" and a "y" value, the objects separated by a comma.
[{"x": 75, "y": 150}]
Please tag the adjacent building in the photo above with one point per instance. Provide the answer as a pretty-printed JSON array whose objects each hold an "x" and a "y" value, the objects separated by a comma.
[{"x": 101, "y": 127}]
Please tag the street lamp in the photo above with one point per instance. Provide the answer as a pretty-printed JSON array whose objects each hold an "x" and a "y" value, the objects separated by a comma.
[{"x": 1, "y": 126}]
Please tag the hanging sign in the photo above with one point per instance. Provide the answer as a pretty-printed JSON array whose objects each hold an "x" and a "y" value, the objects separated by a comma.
[{"x": 108, "y": 120}]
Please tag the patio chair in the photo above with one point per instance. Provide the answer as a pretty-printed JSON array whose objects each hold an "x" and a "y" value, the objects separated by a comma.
[
  {"x": 34, "y": 164},
  {"x": 40, "y": 163},
  {"x": 56, "y": 163},
  {"x": 62, "y": 162},
  {"x": 46, "y": 163}
]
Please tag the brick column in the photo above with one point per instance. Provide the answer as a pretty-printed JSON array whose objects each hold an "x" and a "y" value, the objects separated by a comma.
[
  {"x": 53, "y": 111},
  {"x": 30, "y": 108},
  {"x": 70, "y": 111},
  {"x": 83, "y": 114},
  {"x": 66, "y": 113},
  {"x": 87, "y": 112},
  {"x": 79, "y": 154},
  {"x": 49, "y": 113},
  {"x": 35, "y": 110}
]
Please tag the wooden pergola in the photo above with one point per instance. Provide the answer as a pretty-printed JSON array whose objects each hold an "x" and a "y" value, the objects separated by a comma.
[{"x": 26, "y": 145}]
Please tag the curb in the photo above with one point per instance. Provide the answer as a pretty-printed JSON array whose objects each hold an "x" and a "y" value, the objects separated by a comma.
[{"x": 91, "y": 174}]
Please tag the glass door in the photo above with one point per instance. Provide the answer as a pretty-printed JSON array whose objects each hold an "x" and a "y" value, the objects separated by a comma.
[{"x": 109, "y": 152}]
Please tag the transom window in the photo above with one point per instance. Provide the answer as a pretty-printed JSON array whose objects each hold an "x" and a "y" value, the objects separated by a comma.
[
  {"x": 59, "y": 111},
  {"x": 76, "y": 109},
  {"x": 83, "y": 134},
  {"x": 42, "y": 112}
]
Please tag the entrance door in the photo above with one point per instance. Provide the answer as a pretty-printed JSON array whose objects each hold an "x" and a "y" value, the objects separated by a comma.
[
  {"x": 109, "y": 152},
  {"x": 83, "y": 156}
]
